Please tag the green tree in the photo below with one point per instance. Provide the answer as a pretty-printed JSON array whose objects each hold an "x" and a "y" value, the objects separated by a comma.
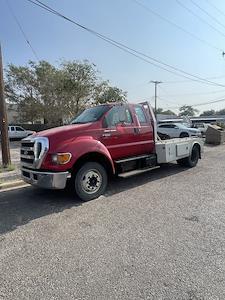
[
  {"x": 80, "y": 80},
  {"x": 50, "y": 88},
  {"x": 165, "y": 112},
  {"x": 208, "y": 113},
  {"x": 187, "y": 110},
  {"x": 168, "y": 112},
  {"x": 44, "y": 91},
  {"x": 221, "y": 112},
  {"x": 104, "y": 93},
  {"x": 158, "y": 111}
]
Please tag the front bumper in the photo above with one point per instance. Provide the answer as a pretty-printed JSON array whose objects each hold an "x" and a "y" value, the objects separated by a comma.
[{"x": 47, "y": 180}]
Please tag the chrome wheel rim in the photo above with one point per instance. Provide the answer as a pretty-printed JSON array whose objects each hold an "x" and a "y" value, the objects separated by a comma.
[{"x": 91, "y": 181}]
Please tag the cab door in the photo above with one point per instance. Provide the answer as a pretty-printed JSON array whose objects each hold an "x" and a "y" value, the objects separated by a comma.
[
  {"x": 12, "y": 132},
  {"x": 144, "y": 133},
  {"x": 118, "y": 133},
  {"x": 20, "y": 132}
]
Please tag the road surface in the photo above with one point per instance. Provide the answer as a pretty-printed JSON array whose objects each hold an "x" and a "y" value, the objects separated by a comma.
[{"x": 158, "y": 235}]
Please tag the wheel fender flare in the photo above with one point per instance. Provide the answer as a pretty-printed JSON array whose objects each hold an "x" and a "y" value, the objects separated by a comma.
[{"x": 90, "y": 146}]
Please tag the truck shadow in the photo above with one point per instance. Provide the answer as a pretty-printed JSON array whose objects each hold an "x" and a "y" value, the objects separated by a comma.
[
  {"x": 20, "y": 206},
  {"x": 119, "y": 184}
]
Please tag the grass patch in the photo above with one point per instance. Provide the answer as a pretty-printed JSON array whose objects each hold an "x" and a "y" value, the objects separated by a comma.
[{"x": 9, "y": 168}]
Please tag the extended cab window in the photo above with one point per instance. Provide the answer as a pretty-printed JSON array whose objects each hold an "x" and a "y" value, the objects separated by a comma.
[
  {"x": 118, "y": 114},
  {"x": 140, "y": 114}
]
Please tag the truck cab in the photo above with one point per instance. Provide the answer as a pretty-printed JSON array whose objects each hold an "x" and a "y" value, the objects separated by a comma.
[{"x": 102, "y": 141}]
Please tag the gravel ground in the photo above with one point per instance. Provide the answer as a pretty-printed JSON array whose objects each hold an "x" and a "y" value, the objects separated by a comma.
[{"x": 159, "y": 235}]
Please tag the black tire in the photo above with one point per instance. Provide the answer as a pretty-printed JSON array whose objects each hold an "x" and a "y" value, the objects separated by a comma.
[
  {"x": 192, "y": 160},
  {"x": 90, "y": 181},
  {"x": 184, "y": 135}
]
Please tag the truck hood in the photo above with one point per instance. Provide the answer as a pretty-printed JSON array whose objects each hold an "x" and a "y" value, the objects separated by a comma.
[
  {"x": 60, "y": 137},
  {"x": 65, "y": 132}
]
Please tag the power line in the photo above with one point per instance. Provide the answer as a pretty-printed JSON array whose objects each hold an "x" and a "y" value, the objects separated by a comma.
[
  {"x": 210, "y": 102},
  {"x": 208, "y": 14},
  {"x": 147, "y": 8},
  {"x": 216, "y": 8},
  {"x": 200, "y": 18},
  {"x": 114, "y": 43},
  {"x": 169, "y": 101},
  {"x": 198, "y": 104},
  {"x": 188, "y": 81},
  {"x": 157, "y": 63},
  {"x": 192, "y": 94},
  {"x": 21, "y": 29},
  {"x": 202, "y": 103}
]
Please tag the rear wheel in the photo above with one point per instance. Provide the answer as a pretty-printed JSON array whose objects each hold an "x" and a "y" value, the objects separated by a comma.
[
  {"x": 90, "y": 181},
  {"x": 192, "y": 160},
  {"x": 184, "y": 135}
]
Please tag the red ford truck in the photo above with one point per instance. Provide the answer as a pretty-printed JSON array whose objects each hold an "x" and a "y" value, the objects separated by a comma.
[{"x": 102, "y": 141}]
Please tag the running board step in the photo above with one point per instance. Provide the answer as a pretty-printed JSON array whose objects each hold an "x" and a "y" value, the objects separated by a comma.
[
  {"x": 136, "y": 172},
  {"x": 130, "y": 159}
]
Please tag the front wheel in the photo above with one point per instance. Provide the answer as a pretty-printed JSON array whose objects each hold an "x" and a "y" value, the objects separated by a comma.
[
  {"x": 192, "y": 160},
  {"x": 90, "y": 181}
]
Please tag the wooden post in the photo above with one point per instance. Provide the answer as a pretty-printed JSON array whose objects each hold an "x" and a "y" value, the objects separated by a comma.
[{"x": 3, "y": 120}]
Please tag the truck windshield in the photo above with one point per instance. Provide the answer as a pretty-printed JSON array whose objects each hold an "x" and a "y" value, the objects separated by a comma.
[{"x": 92, "y": 114}]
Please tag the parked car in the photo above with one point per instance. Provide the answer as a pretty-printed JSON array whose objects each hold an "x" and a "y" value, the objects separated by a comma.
[
  {"x": 177, "y": 130},
  {"x": 18, "y": 132}
]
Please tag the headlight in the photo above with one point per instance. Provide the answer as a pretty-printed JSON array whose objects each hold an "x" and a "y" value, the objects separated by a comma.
[{"x": 61, "y": 158}]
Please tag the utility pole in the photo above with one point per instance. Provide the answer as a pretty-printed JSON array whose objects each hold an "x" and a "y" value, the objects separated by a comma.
[
  {"x": 156, "y": 83},
  {"x": 3, "y": 120}
]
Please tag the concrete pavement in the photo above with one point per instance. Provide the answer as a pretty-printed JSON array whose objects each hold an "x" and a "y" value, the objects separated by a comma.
[{"x": 159, "y": 235}]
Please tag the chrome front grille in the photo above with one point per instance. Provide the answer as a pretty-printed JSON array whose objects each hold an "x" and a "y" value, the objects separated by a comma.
[
  {"x": 33, "y": 151},
  {"x": 27, "y": 153}
]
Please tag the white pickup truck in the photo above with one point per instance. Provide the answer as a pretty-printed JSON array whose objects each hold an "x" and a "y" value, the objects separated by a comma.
[{"x": 18, "y": 132}]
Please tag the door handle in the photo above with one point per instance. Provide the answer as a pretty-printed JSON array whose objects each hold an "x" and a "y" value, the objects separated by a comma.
[
  {"x": 136, "y": 130},
  {"x": 108, "y": 132}
]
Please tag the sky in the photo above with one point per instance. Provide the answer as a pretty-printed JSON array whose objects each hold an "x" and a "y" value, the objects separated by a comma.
[{"x": 130, "y": 22}]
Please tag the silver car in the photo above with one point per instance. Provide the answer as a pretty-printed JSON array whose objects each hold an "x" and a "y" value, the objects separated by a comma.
[{"x": 178, "y": 130}]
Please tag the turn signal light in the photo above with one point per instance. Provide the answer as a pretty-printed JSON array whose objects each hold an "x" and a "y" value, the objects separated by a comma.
[{"x": 61, "y": 158}]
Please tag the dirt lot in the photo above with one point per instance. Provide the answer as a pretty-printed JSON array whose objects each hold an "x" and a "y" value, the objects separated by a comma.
[{"x": 159, "y": 235}]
